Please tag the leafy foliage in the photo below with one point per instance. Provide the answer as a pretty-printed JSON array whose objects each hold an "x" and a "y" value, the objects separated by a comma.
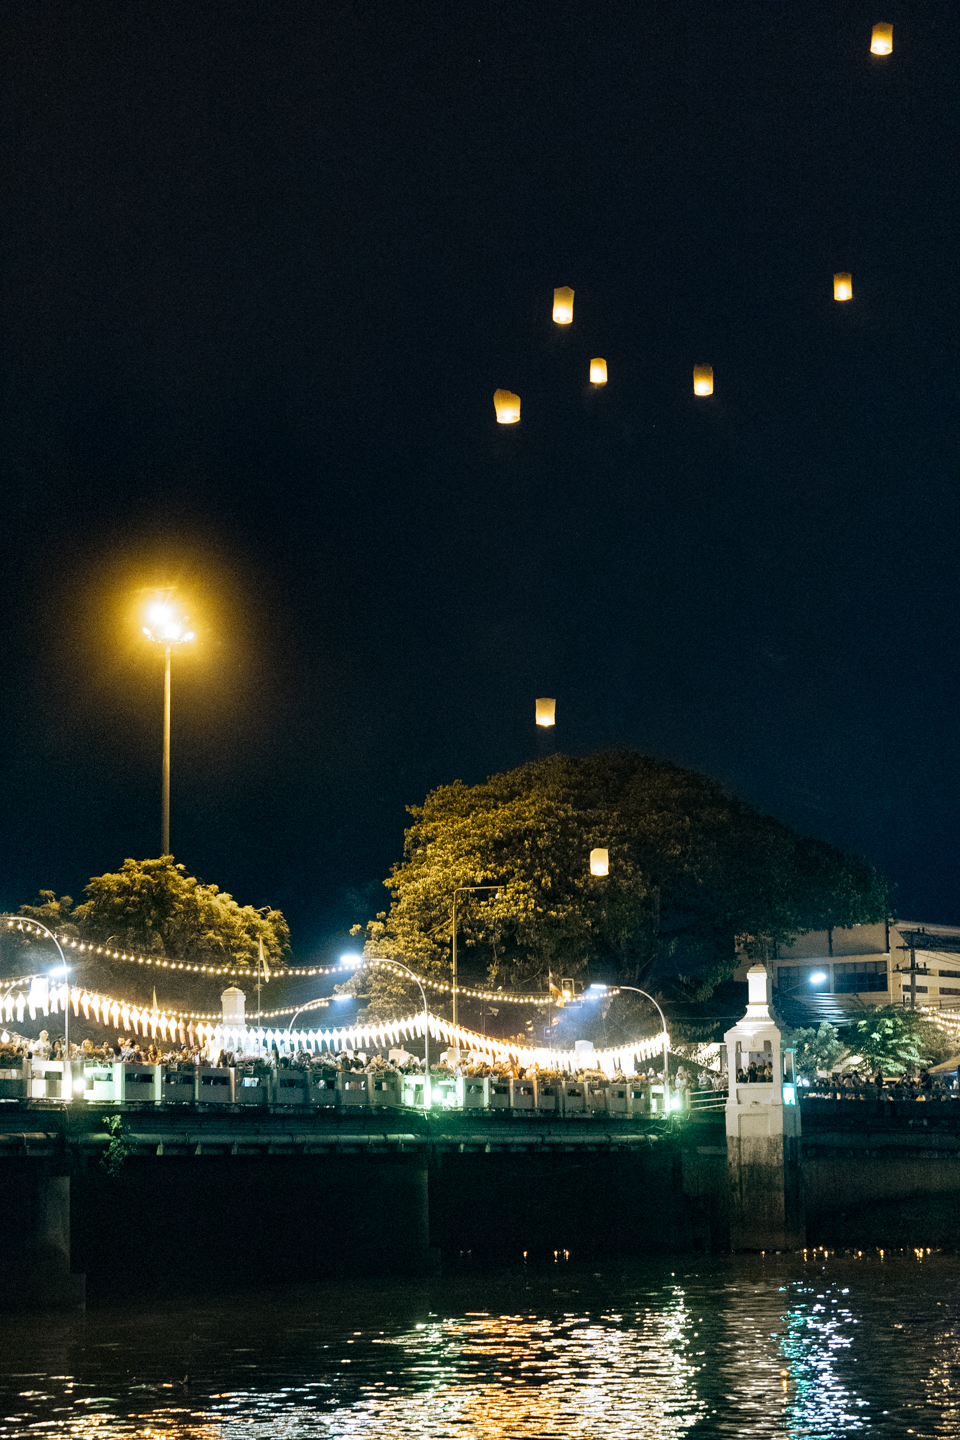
[
  {"x": 154, "y": 907},
  {"x": 815, "y": 1049},
  {"x": 695, "y": 875},
  {"x": 895, "y": 1039}
]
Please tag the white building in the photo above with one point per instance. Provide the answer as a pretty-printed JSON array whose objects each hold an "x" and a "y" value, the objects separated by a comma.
[{"x": 832, "y": 974}]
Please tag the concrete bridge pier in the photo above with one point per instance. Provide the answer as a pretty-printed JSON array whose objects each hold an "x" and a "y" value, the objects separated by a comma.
[
  {"x": 763, "y": 1131},
  {"x": 35, "y": 1243},
  {"x": 394, "y": 1235}
]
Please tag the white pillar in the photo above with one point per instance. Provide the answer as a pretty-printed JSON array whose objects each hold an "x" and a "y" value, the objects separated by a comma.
[
  {"x": 763, "y": 1130},
  {"x": 232, "y": 1002}
]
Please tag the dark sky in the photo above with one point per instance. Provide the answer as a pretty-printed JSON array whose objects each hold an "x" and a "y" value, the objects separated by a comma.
[{"x": 262, "y": 267}]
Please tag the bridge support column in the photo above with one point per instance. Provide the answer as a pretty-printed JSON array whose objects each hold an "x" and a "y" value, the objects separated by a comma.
[
  {"x": 35, "y": 1244},
  {"x": 763, "y": 1130},
  {"x": 397, "y": 1205}
]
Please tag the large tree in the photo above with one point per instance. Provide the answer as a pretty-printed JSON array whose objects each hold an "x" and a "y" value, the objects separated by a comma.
[
  {"x": 696, "y": 878},
  {"x": 153, "y": 907}
]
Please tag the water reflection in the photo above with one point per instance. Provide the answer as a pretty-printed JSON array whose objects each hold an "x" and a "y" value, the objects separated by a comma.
[{"x": 821, "y": 1349}]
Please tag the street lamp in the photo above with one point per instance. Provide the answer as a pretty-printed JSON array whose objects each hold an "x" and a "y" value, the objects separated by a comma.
[
  {"x": 60, "y": 971},
  {"x": 615, "y": 989},
  {"x": 167, "y": 627},
  {"x": 461, "y": 889},
  {"x": 355, "y": 961}
]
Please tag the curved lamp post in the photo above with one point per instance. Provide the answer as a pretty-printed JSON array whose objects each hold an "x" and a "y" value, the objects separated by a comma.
[
  {"x": 614, "y": 990},
  {"x": 355, "y": 961},
  {"x": 66, "y": 1087},
  {"x": 167, "y": 627}
]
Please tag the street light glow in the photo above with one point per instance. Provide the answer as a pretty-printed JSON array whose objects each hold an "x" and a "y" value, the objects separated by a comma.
[
  {"x": 818, "y": 977},
  {"x": 351, "y": 960}
]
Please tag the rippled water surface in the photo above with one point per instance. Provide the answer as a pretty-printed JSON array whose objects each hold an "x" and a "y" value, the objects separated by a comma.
[{"x": 784, "y": 1346}]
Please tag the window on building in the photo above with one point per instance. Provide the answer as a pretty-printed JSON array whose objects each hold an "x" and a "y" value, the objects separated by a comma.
[
  {"x": 859, "y": 977},
  {"x": 796, "y": 978}
]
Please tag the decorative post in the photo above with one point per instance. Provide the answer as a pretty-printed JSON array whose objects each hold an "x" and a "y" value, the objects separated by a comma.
[{"x": 763, "y": 1130}]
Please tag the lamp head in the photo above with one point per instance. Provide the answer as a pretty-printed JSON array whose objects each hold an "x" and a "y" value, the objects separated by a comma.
[
  {"x": 166, "y": 624},
  {"x": 817, "y": 977}
]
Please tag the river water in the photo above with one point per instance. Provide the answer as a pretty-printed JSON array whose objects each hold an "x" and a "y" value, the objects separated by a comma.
[{"x": 815, "y": 1345}]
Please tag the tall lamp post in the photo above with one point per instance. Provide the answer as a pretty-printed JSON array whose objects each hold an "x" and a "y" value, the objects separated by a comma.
[
  {"x": 460, "y": 890},
  {"x": 167, "y": 627}
]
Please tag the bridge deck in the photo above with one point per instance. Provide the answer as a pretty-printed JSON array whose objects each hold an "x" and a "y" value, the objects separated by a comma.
[{"x": 38, "y": 1128}]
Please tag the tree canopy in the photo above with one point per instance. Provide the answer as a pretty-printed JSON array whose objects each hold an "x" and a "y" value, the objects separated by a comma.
[
  {"x": 816, "y": 1049},
  {"x": 153, "y": 907},
  {"x": 696, "y": 877},
  {"x": 895, "y": 1039}
]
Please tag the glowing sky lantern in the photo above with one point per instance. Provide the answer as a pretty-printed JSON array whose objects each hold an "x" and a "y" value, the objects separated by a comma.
[
  {"x": 599, "y": 862},
  {"x": 507, "y": 407},
  {"x": 598, "y": 372},
  {"x": 881, "y": 39},
  {"x": 546, "y": 713},
  {"x": 703, "y": 379},
  {"x": 842, "y": 287},
  {"x": 563, "y": 305}
]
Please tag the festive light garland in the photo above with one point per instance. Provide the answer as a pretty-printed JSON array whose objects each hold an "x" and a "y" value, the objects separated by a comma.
[
  {"x": 364, "y": 1037},
  {"x": 162, "y": 963},
  {"x": 122, "y": 1014}
]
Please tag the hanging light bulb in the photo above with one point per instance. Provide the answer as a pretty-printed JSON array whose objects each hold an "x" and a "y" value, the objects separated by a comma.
[
  {"x": 546, "y": 713},
  {"x": 842, "y": 286},
  {"x": 563, "y": 305},
  {"x": 598, "y": 372},
  {"x": 599, "y": 862},
  {"x": 703, "y": 379},
  {"x": 507, "y": 406},
  {"x": 881, "y": 39}
]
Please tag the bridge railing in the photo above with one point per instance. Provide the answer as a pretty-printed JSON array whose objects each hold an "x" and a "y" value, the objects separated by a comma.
[{"x": 251, "y": 1086}]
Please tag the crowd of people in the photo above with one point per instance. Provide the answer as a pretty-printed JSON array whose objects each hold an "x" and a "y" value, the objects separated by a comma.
[{"x": 916, "y": 1084}]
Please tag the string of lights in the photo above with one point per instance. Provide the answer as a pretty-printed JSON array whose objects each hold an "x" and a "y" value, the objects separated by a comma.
[
  {"x": 42, "y": 996},
  {"x": 496, "y": 997}
]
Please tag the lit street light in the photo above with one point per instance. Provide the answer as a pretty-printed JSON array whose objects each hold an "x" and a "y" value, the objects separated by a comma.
[
  {"x": 355, "y": 961},
  {"x": 615, "y": 989},
  {"x": 60, "y": 972},
  {"x": 167, "y": 627}
]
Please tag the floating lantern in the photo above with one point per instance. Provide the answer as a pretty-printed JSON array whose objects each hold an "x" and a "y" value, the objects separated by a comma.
[
  {"x": 599, "y": 862},
  {"x": 563, "y": 305},
  {"x": 881, "y": 39},
  {"x": 842, "y": 287},
  {"x": 598, "y": 372},
  {"x": 703, "y": 379},
  {"x": 546, "y": 713},
  {"x": 507, "y": 406}
]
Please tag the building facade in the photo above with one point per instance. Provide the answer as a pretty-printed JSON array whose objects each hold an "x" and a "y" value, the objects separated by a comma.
[{"x": 832, "y": 974}]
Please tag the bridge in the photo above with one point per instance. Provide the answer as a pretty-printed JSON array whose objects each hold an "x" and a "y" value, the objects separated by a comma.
[{"x": 297, "y": 1167}]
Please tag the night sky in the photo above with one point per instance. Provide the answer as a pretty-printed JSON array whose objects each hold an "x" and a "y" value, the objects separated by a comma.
[{"x": 262, "y": 267}]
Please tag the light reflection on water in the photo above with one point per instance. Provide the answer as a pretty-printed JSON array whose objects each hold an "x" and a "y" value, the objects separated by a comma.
[{"x": 729, "y": 1347}]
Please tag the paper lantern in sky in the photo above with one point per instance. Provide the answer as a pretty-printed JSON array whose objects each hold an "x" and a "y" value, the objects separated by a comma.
[
  {"x": 703, "y": 379},
  {"x": 546, "y": 713},
  {"x": 507, "y": 406},
  {"x": 599, "y": 862},
  {"x": 563, "y": 305},
  {"x": 842, "y": 286},
  {"x": 881, "y": 39},
  {"x": 598, "y": 372}
]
